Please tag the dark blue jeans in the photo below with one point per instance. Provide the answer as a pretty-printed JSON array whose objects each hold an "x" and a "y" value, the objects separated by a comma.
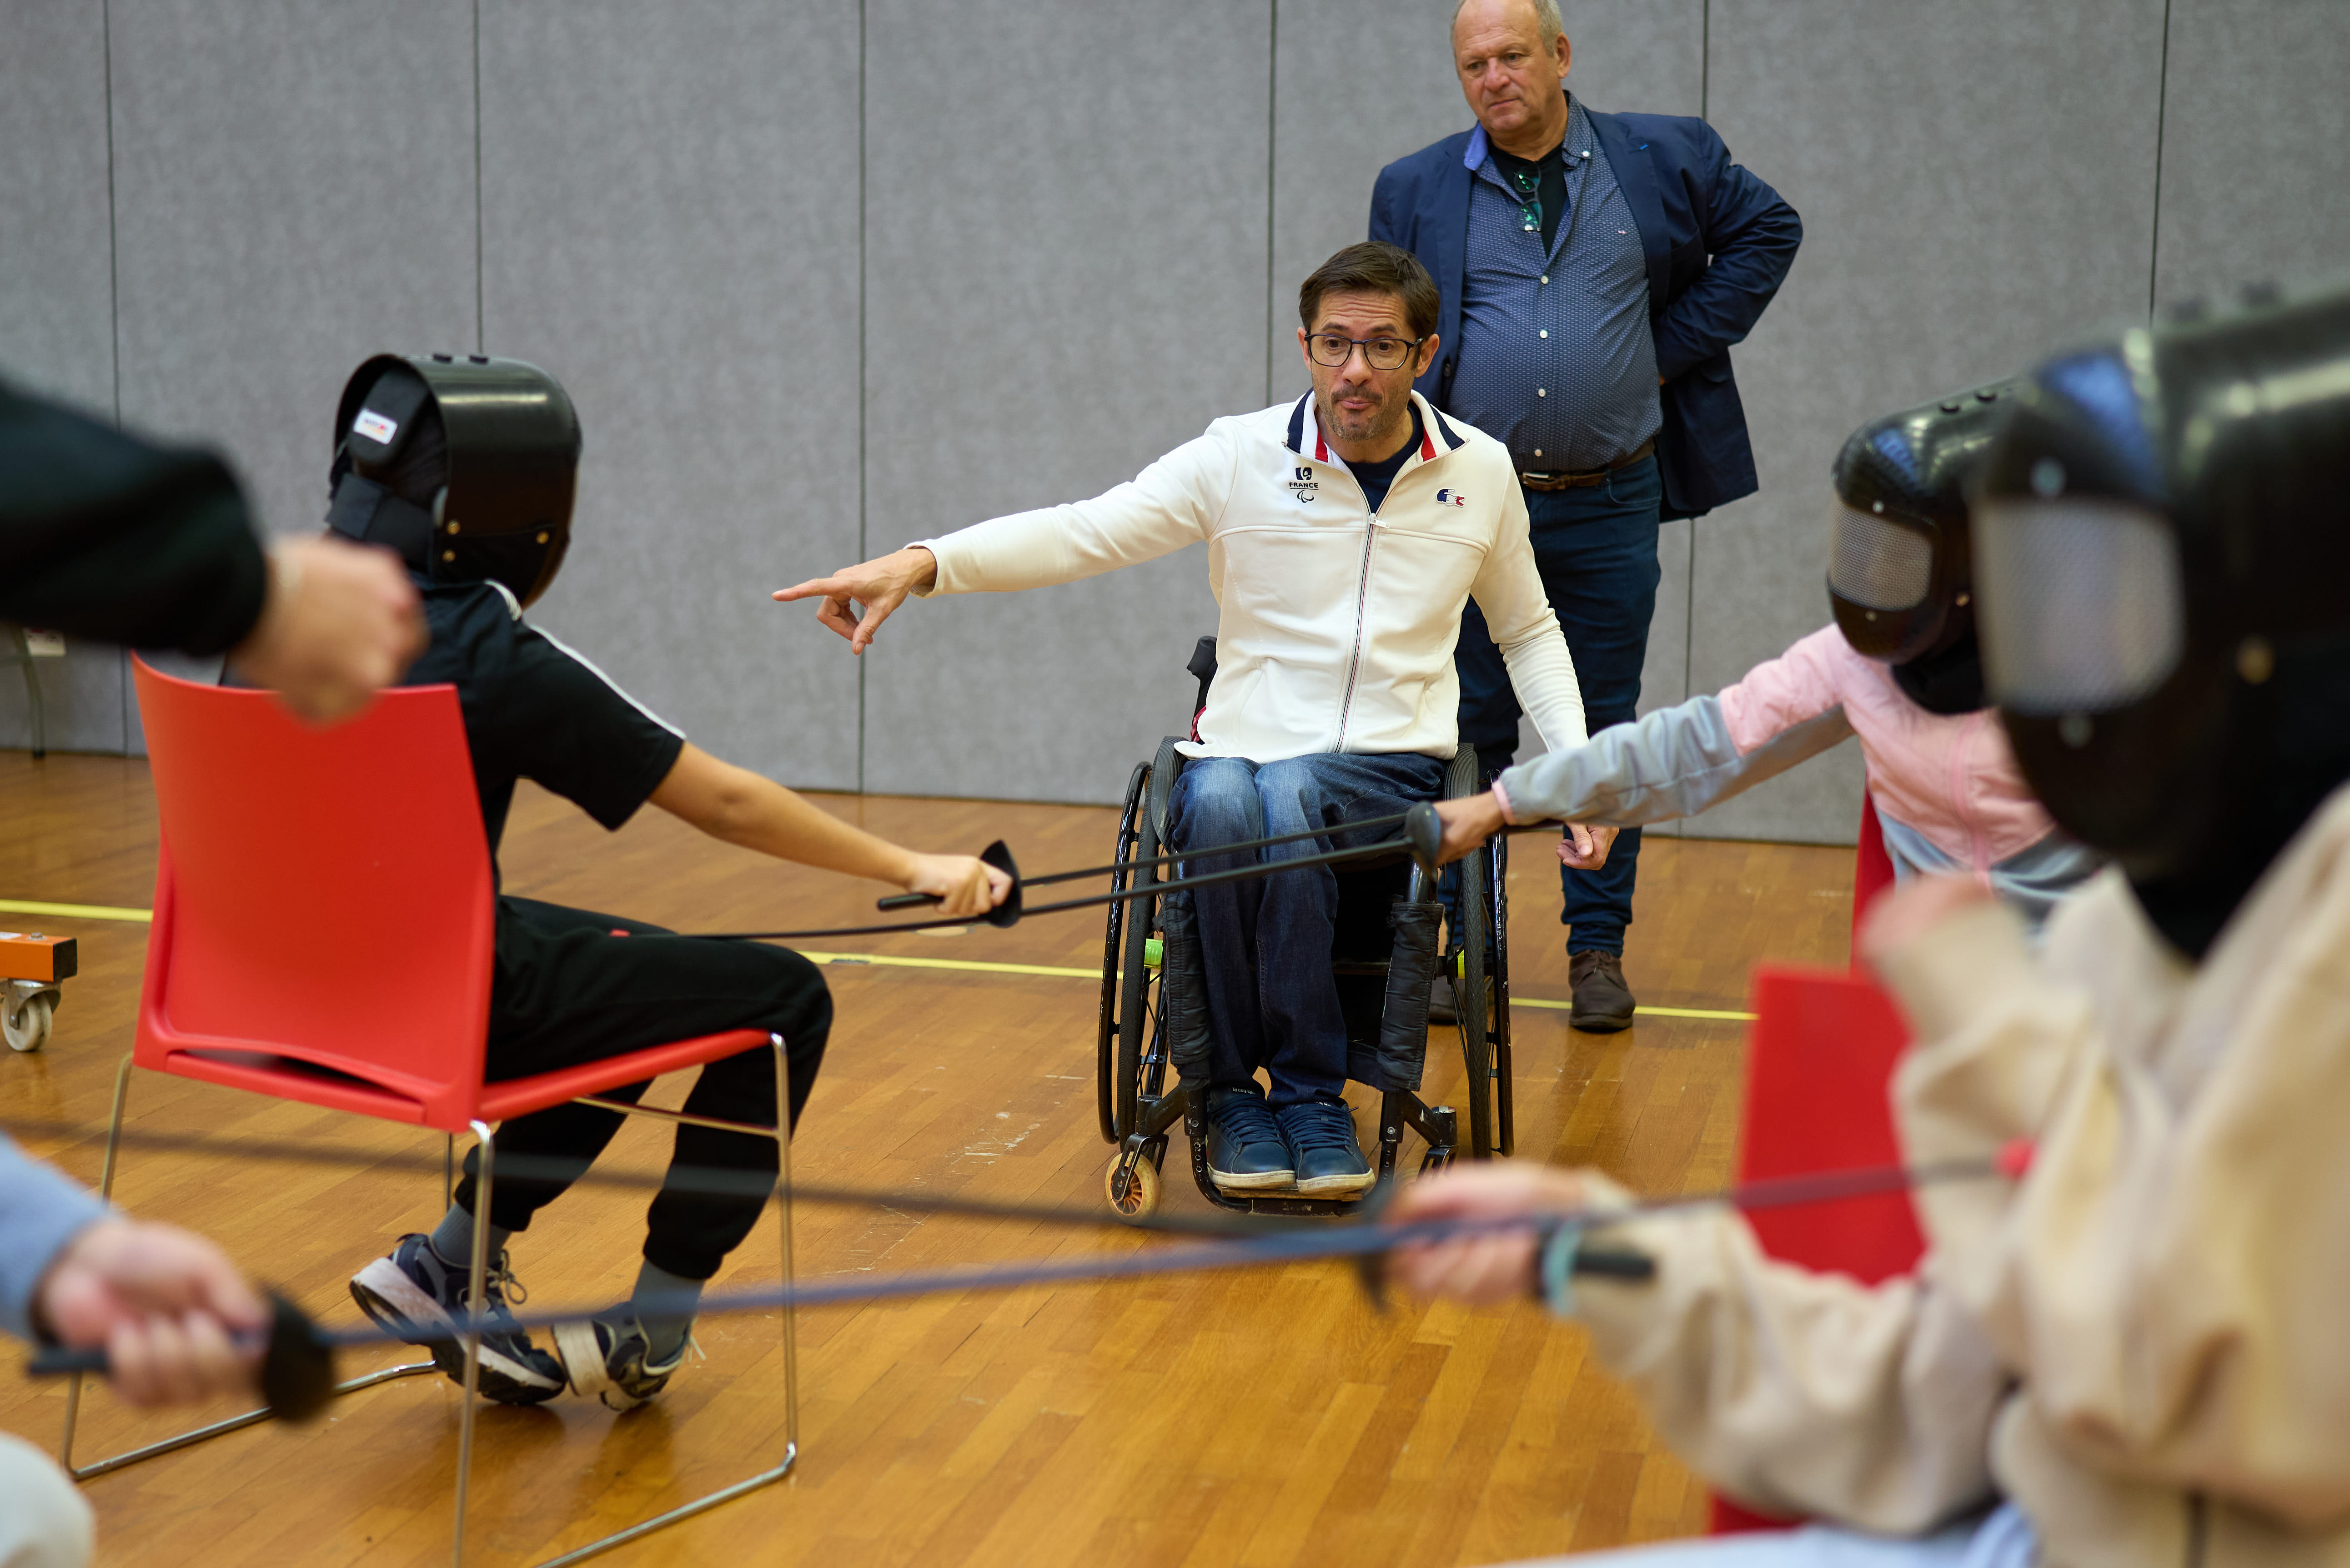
[
  {"x": 1597, "y": 552},
  {"x": 1273, "y": 1003}
]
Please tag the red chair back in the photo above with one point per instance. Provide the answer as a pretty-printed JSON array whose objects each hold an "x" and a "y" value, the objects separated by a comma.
[
  {"x": 1872, "y": 869},
  {"x": 358, "y": 851},
  {"x": 1819, "y": 1070}
]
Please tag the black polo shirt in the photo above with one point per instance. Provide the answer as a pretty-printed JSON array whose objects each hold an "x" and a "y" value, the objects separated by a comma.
[{"x": 535, "y": 710}]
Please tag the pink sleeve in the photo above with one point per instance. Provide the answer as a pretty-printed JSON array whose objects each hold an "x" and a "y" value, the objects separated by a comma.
[{"x": 1780, "y": 693}]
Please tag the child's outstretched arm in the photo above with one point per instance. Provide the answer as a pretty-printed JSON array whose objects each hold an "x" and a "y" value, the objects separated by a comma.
[{"x": 741, "y": 807}]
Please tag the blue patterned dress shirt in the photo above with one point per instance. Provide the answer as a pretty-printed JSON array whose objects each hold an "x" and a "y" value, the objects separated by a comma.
[{"x": 1557, "y": 361}]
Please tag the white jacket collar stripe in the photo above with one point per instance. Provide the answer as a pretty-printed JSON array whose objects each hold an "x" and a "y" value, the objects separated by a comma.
[{"x": 1431, "y": 425}]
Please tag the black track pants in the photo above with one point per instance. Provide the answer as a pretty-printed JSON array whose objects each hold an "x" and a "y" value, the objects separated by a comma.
[{"x": 569, "y": 990}]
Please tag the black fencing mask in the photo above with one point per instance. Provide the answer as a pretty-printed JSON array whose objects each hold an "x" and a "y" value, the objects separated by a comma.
[
  {"x": 465, "y": 465},
  {"x": 2162, "y": 555},
  {"x": 1900, "y": 566}
]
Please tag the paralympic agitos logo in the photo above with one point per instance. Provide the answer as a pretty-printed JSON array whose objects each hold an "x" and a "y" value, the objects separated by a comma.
[{"x": 1302, "y": 486}]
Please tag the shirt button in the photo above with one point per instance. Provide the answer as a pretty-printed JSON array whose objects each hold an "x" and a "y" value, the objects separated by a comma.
[
  {"x": 1543, "y": 333},
  {"x": 1537, "y": 451},
  {"x": 1545, "y": 277},
  {"x": 1541, "y": 392}
]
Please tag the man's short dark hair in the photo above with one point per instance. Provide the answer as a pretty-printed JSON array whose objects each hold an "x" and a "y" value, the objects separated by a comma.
[{"x": 1374, "y": 266}]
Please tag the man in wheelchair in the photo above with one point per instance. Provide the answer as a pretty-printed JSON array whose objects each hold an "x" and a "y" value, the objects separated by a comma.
[{"x": 1345, "y": 533}]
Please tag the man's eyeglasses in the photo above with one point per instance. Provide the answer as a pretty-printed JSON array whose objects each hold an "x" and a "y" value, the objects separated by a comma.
[{"x": 1384, "y": 353}]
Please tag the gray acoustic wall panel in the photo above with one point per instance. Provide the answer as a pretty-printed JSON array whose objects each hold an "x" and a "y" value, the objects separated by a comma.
[
  {"x": 294, "y": 190},
  {"x": 1977, "y": 185},
  {"x": 56, "y": 306},
  {"x": 1066, "y": 264},
  {"x": 2256, "y": 153},
  {"x": 668, "y": 201}
]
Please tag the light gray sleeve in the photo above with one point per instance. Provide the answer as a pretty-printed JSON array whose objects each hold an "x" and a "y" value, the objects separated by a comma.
[
  {"x": 1675, "y": 762},
  {"x": 40, "y": 1210}
]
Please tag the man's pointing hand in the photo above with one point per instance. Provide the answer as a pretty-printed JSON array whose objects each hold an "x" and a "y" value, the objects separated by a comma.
[{"x": 880, "y": 587}]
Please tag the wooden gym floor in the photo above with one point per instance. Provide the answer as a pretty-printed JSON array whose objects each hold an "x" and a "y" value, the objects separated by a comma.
[{"x": 1267, "y": 1418}]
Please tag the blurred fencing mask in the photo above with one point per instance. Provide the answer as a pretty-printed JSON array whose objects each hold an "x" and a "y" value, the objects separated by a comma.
[
  {"x": 1900, "y": 568},
  {"x": 2162, "y": 558}
]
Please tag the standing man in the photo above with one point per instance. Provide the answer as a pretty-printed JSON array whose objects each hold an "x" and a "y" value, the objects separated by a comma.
[{"x": 1595, "y": 270}]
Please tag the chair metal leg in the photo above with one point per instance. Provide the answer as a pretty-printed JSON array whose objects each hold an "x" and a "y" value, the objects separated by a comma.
[
  {"x": 781, "y": 1132},
  {"x": 477, "y": 1280},
  {"x": 189, "y": 1439},
  {"x": 33, "y": 692},
  {"x": 783, "y": 1227}
]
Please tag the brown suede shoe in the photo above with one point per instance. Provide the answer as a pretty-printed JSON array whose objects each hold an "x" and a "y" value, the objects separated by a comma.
[{"x": 1603, "y": 1002}]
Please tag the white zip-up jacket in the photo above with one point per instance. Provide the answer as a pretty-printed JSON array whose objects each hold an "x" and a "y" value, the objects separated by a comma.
[{"x": 1337, "y": 626}]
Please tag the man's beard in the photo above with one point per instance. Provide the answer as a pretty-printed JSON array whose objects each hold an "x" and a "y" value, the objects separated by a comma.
[{"x": 1382, "y": 420}]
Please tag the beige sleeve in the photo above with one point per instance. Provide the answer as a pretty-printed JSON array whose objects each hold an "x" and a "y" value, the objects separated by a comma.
[
  {"x": 1173, "y": 502},
  {"x": 1517, "y": 612},
  {"x": 2171, "y": 1273},
  {"x": 1799, "y": 1393}
]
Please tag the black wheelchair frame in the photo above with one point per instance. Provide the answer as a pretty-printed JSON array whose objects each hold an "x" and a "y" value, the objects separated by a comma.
[{"x": 1138, "y": 1108}]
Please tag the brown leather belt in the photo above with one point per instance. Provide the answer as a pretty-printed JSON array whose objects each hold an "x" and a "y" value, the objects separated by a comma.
[{"x": 1589, "y": 477}]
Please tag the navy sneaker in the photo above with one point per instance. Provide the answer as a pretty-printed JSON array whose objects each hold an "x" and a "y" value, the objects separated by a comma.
[
  {"x": 1246, "y": 1152},
  {"x": 1330, "y": 1163},
  {"x": 612, "y": 1361},
  {"x": 417, "y": 1295}
]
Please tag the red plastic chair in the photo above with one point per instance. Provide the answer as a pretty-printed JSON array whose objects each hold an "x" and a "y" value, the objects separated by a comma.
[
  {"x": 1819, "y": 1070},
  {"x": 324, "y": 912},
  {"x": 1872, "y": 869}
]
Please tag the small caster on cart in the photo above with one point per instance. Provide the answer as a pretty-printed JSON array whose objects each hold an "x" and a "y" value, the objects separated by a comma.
[{"x": 26, "y": 1012}]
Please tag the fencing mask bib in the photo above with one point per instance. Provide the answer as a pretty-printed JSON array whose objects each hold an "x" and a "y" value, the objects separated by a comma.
[
  {"x": 2161, "y": 550},
  {"x": 464, "y": 465}
]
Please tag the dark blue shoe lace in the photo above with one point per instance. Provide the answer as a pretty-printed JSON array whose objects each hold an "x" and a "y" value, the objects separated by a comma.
[
  {"x": 1316, "y": 1126},
  {"x": 1243, "y": 1119}
]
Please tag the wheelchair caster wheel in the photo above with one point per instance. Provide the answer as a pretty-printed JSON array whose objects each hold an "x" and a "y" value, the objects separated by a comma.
[
  {"x": 26, "y": 1024},
  {"x": 1133, "y": 1190}
]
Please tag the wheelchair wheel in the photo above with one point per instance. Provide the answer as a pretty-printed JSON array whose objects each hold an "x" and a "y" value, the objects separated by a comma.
[
  {"x": 1497, "y": 991},
  {"x": 1133, "y": 1061},
  {"x": 1471, "y": 998},
  {"x": 1134, "y": 1192},
  {"x": 1106, "y": 1043}
]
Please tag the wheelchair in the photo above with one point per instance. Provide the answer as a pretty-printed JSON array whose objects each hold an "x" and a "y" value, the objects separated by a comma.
[{"x": 1385, "y": 958}]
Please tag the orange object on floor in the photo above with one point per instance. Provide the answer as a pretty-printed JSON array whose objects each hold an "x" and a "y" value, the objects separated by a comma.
[{"x": 29, "y": 955}]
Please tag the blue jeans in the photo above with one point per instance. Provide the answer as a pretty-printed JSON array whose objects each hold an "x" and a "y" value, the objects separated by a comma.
[
  {"x": 1597, "y": 552},
  {"x": 1273, "y": 1002}
]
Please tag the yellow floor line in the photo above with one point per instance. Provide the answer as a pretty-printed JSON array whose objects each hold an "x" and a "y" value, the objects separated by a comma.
[
  {"x": 1096, "y": 974},
  {"x": 1651, "y": 1012},
  {"x": 948, "y": 963},
  {"x": 74, "y": 912},
  {"x": 109, "y": 912}
]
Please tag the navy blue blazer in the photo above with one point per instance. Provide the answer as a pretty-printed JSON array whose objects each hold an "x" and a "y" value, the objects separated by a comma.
[{"x": 1718, "y": 240}]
